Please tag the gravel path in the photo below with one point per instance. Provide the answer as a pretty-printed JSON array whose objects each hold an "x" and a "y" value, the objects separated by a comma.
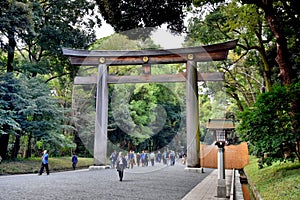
[{"x": 141, "y": 183}]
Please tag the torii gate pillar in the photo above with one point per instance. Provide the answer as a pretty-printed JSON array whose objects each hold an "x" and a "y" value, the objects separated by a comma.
[
  {"x": 100, "y": 139},
  {"x": 192, "y": 116}
]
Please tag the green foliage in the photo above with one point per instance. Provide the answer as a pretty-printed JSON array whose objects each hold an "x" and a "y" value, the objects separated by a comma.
[
  {"x": 33, "y": 32},
  {"x": 132, "y": 14},
  {"x": 251, "y": 65},
  {"x": 42, "y": 112},
  {"x": 28, "y": 109},
  {"x": 115, "y": 42},
  {"x": 37, "y": 32},
  {"x": 279, "y": 181},
  {"x": 11, "y": 101},
  {"x": 15, "y": 18},
  {"x": 145, "y": 114},
  {"x": 267, "y": 126}
]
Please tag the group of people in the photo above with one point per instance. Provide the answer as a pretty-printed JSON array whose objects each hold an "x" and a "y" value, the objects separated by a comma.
[
  {"x": 121, "y": 162},
  {"x": 146, "y": 159}
]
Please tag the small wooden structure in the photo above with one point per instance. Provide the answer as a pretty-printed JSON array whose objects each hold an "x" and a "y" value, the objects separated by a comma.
[
  {"x": 220, "y": 128},
  {"x": 103, "y": 59}
]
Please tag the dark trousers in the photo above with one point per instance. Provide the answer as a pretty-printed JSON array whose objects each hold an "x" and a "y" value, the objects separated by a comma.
[
  {"x": 74, "y": 165},
  {"x": 152, "y": 162},
  {"x": 42, "y": 169},
  {"x": 121, "y": 173}
]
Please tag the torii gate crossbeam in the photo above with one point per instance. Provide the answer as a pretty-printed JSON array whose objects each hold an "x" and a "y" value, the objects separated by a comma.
[{"x": 104, "y": 58}]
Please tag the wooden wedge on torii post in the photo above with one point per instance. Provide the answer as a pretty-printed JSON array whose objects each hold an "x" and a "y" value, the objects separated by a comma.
[{"x": 191, "y": 55}]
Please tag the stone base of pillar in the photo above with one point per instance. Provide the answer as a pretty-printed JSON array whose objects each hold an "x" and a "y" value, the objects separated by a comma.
[
  {"x": 194, "y": 169},
  {"x": 221, "y": 188},
  {"x": 95, "y": 167}
]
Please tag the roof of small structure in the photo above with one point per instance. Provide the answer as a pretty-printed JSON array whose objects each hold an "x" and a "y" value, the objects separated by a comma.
[{"x": 220, "y": 124}]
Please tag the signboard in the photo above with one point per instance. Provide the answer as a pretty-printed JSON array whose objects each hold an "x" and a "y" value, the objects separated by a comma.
[{"x": 236, "y": 156}]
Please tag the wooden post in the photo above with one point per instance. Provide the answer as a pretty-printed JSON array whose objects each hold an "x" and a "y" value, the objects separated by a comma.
[
  {"x": 221, "y": 187},
  {"x": 146, "y": 69},
  {"x": 192, "y": 117},
  {"x": 100, "y": 141}
]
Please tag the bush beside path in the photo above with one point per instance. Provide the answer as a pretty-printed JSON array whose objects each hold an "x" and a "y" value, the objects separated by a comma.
[{"x": 281, "y": 181}]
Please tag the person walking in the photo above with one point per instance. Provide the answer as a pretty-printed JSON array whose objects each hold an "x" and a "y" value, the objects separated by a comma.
[
  {"x": 121, "y": 165},
  {"x": 152, "y": 158},
  {"x": 146, "y": 157},
  {"x": 166, "y": 158},
  {"x": 138, "y": 159},
  {"x": 131, "y": 159},
  {"x": 112, "y": 159},
  {"x": 44, "y": 163},
  {"x": 158, "y": 157},
  {"x": 172, "y": 158},
  {"x": 143, "y": 158},
  {"x": 74, "y": 161},
  {"x": 183, "y": 159}
]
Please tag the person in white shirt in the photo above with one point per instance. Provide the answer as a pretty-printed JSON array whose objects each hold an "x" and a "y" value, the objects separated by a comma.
[{"x": 121, "y": 165}]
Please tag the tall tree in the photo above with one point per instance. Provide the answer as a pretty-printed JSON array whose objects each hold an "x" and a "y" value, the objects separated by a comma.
[
  {"x": 57, "y": 23},
  {"x": 133, "y": 14},
  {"x": 16, "y": 22},
  {"x": 27, "y": 109},
  {"x": 34, "y": 46},
  {"x": 283, "y": 20},
  {"x": 250, "y": 69},
  {"x": 42, "y": 115},
  {"x": 11, "y": 100},
  {"x": 277, "y": 13}
]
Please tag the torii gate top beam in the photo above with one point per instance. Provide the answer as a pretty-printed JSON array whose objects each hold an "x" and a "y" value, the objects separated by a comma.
[{"x": 213, "y": 52}]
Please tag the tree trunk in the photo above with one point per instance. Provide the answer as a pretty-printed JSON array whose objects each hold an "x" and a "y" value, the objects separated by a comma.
[
  {"x": 252, "y": 94},
  {"x": 282, "y": 58},
  {"x": 4, "y": 138},
  {"x": 28, "y": 152},
  {"x": 267, "y": 68},
  {"x": 16, "y": 147},
  {"x": 237, "y": 99},
  {"x": 11, "y": 51},
  {"x": 282, "y": 53}
]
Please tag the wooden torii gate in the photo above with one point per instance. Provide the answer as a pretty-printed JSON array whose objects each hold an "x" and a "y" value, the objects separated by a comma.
[{"x": 104, "y": 58}]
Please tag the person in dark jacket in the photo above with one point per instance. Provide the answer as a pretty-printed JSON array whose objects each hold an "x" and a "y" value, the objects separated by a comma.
[
  {"x": 44, "y": 163},
  {"x": 74, "y": 161},
  {"x": 121, "y": 165}
]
